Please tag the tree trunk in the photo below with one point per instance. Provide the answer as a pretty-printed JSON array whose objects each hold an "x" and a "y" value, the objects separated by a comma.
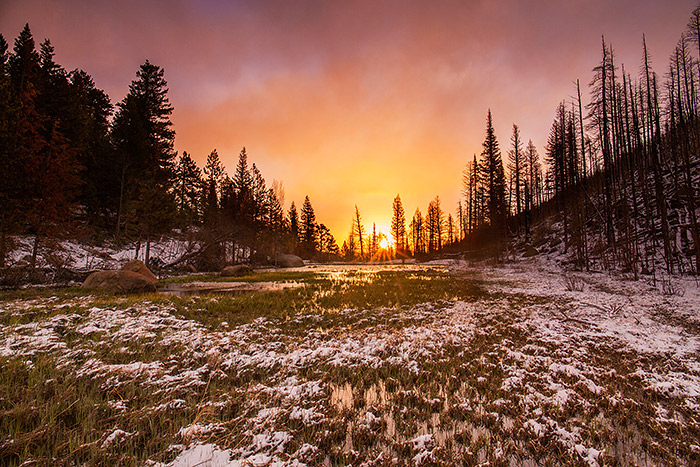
[
  {"x": 655, "y": 130},
  {"x": 148, "y": 251},
  {"x": 35, "y": 249}
]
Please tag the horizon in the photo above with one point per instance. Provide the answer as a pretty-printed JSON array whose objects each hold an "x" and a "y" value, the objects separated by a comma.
[{"x": 360, "y": 104}]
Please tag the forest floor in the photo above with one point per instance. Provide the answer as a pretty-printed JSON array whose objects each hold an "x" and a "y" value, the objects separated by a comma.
[{"x": 443, "y": 363}]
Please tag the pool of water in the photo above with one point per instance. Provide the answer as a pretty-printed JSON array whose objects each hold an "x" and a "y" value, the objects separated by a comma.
[{"x": 225, "y": 288}]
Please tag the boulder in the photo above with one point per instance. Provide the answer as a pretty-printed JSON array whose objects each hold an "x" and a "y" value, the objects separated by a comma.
[
  {"x": 289, "y": 261},
  {"x": 187, "y": 269},
  {"x": 530, "y": 251},
  {"x": 119, "y": 281},
  {"x": 138, "y": 267},
  {"x": 237, "y": 270}
]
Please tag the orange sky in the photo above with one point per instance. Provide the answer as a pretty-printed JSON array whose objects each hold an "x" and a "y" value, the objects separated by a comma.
[{"x": 353, "y": 102}]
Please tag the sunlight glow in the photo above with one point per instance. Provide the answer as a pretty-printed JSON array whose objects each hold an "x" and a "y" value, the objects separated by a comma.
[{"x": 384, "y": 243}]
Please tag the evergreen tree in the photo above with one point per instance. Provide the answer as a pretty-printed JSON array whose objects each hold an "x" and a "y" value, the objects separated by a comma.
[
  {"x": 240, "y": 202},
  {"x": 294, "y": 230},
  {"x": 417, "y": 234},
  {"x": 358, "y": 232},
  {"x": 215, "y": 185},
  {"x": 472, "y": 190},
  {"x": 398, "y": 225},
  {"x": 374, "y": 242},
  {"x": 533, "y": 182},
  {"x": 187, "y": 189},
  {"x": 276, "y": 220},
  {"x": 215, "y": 172},
  {"x": 45, "y": 165},
  {"x": 515, "y": 167},
  {"x": 88, "y": 131},
  {"x": 260, "y": 208},
  {"x": 12, "y": 187},
  {"x": 346, "y": 252},
  {"x": 326, "y": 243},
  {"x": 492, "y": 168},
  {"x": 143, "y": 137},
  {"x": 434, "y": 225},
  {"x": 450, "y": 229},
  {"x": 308, "y": 232}
]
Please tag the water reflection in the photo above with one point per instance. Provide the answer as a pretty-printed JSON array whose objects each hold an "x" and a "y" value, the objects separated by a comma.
[
  {"x": 397, "y": 419},
  {"x": 225, "y": 288}
]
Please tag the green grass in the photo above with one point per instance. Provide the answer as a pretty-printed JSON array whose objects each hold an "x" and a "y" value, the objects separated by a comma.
[{"x": 264, "y": 276}]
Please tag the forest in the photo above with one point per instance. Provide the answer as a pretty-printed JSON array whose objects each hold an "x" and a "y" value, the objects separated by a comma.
[{"x": 617, "y": 182}]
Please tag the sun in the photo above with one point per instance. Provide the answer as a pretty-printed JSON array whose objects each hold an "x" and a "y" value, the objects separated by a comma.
[{"x": 384, "y": 243}]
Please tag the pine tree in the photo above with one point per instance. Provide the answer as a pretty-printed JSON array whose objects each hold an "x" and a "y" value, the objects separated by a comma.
[
  {"x": 358, "y": 232},
  {"x": 260, "y": 207},
  {"x": 12, "y": 187},
  {"x": 215, "y": 172},
  {"x": 450, "y": 230},
  {"x": 653, "y": 118},
  {"x": 347, "y": 252},
  {"x": 242, "y": 184},
  {"x": 46, "y": 176},
  {"x": 472, "y": 191},
  {"x": 533, "y": 182},
  {"x": 187, "y": 189},
  {"x": 294, "y": 230},
  {"x": 515, "y": 167},
  {"x": 434, "y": 225},
  {"x": 308, "y": 232},
  {"x": 88, "y": 131},
  {"x": 327, "y": 244},
  {"x": 143, "y": 137},
  {"x": 374, "y": 242},
  {"x": 398, "y": 225},
  {"x": 215, "y": 185},
  {"x": 417, "y": 234},
  {"x": 492, "y": 168},
  {"x": 276, "y": 220}
]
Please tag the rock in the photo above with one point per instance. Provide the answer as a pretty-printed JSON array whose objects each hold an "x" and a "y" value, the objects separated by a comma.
[
  {"x": 138, "y": 267},
  {"x": 119, "y": 281},
  {"x": 187, "y": 269},
  {"x": 530, "y": 251},
  {"x": 237, "y": 270},
  {"x": 289, "y": 261}
]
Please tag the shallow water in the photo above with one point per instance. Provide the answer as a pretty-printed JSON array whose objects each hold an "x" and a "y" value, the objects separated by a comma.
[
  {"x": 338, "y": 273},
  {"x": 225, "y": 288},
  {"x": 456, "y": 435}
]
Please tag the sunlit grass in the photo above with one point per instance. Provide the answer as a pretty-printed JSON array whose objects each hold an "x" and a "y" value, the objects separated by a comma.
[
  {"x": 257, "y": 276},
  {"x": 327, "y": 294}
]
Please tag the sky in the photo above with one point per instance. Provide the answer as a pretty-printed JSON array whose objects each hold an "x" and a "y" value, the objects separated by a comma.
[{"x": 353, "y": 102}]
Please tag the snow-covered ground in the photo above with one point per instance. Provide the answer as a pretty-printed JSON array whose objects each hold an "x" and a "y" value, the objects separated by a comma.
[
  {"x": 524, "y": 372},
  {"x": 80, "y": 256}
]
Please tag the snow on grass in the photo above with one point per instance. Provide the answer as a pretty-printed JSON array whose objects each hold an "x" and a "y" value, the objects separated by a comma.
[
  {"x": 600, "y": 373},
  {"x": 201, "y": 455}
]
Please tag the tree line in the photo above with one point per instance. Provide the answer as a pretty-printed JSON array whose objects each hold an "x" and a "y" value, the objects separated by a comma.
[
  {"x": 619, "y": 175},
  {"x": 75, "y": 164},
  {"x": 624, "y": 175}
]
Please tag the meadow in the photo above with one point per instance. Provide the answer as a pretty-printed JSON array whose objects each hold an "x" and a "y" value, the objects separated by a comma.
[{"x": 438, "y": 364}]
